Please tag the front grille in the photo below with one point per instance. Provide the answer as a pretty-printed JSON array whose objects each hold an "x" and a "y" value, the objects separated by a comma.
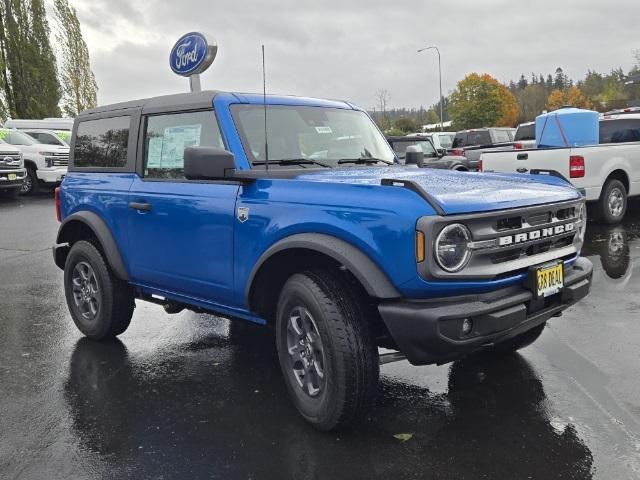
[
  {"x": 9, "y": 161},
  {"x": 508, "y": 242}
]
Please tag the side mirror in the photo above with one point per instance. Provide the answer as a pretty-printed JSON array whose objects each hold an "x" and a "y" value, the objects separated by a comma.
[
  {"x": 208, "y": 163},
  {"x": 441, "y": 152},
  {"x": 414, "y": 156}
]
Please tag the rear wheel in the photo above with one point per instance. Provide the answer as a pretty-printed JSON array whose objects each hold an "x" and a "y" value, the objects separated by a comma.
[
  {"x": 30, "y": 185},
  {"x": 326, "y": 351},
  {"x": 101, "y": 305},
  {"x": 521, "y": 341},
  {"x": 613, "y": 202}
]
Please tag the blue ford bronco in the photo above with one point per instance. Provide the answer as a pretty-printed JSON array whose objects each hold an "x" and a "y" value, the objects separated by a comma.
[{"x": 293, "y": 213}]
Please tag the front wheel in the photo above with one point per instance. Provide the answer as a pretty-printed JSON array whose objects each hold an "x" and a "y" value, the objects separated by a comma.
[
  {"x": 31, "y": 183},
  {"x": 326, "y": 351},
  {"x": 101, "y": 305}
]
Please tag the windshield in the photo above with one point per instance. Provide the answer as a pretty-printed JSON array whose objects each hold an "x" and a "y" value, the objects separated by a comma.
[
  {"x": 328, "y": 136},
  {"x": 400, "y": 147},
  {"x": 14, "y": 137}
]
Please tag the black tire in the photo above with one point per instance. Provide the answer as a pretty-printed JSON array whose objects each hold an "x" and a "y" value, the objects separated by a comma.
[
  {"x": 346, "y": 353},
  {"x": 519, "y": 342},
  {"x": 612, "y": 205},
  {"x": 10, "y": 193},
  {"x": 101, "y": 305},
  {"x": 31, "y": 183}
]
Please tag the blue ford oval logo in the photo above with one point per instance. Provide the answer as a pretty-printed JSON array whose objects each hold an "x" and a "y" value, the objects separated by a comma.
[{"x": 192, "y": 54}]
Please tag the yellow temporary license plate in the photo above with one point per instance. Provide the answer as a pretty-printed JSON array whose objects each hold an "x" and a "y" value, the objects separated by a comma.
[
  {"x": 12, "y": 176},
  {"x": 549, "y": 279}
]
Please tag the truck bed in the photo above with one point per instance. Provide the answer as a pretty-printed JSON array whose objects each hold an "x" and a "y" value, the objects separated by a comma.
[{"x": 600, "y": 163}]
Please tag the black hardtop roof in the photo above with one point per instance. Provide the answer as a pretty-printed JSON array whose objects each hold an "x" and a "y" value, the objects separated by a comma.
[{"x": 179, "y": 101}]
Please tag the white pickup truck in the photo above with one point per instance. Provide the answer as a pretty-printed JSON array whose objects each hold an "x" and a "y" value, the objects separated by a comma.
[{"x": 606, "y": 174}]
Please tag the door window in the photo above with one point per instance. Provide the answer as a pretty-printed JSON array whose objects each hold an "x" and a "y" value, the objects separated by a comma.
[{"x": 168, "y": 135}]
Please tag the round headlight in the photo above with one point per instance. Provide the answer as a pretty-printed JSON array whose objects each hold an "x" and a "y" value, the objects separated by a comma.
[{"x": 452, "y": 247}]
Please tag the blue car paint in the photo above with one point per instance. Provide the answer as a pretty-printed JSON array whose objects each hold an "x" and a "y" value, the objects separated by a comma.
[{"x": 348, "y": 203}]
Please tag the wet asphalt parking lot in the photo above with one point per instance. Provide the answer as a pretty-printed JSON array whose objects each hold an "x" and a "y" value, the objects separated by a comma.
[{"x": 193, "y": 396}]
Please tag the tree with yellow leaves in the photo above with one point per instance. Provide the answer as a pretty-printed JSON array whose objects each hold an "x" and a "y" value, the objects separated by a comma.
[
  {"x": 571, "y": 96},
  {"x": 482, "y": 101}
]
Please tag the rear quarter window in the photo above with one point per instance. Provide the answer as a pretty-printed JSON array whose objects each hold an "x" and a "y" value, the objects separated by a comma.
[
  {"x": 102, "y": 143},
  {"x": 526, "y": 132},
  {"x": 620, "y": 130}
]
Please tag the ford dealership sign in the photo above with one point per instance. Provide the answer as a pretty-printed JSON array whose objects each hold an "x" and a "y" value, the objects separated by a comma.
[{"x": 192, "y": 54}]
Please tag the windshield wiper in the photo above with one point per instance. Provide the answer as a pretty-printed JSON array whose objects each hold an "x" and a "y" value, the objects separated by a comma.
[
  {"x": 293, "y": 161},
  {"x": 366, "y": 160}
]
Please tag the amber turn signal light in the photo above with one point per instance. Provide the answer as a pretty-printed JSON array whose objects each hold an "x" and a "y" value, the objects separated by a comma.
[{"x": 419, "y": 247}]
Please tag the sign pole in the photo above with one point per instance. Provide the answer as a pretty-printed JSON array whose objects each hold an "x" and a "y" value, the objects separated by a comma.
[{"x": 194, "y": 83}]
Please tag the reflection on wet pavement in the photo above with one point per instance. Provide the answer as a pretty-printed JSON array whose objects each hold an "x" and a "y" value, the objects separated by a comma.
[{"x": 193, "y": 396}]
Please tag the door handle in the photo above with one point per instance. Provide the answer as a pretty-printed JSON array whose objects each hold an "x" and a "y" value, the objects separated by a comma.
[
  {"x": 522, "y": 170},
  {"x": 523, "y": 156},
  {"x": 141, "y": 207}
]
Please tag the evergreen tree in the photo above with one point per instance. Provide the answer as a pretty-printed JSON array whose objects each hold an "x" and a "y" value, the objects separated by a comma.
[
  {"x": 559, "y": 82},
  {"x": 29, "y": 73},
  {"x": 79, "y": 87},
  {"x": 522, "y": 83}
]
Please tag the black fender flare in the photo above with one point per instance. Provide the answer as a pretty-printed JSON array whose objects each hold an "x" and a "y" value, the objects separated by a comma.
[
  {"x": 102, "y": 233},
  {"x": 372, "y": 278}
]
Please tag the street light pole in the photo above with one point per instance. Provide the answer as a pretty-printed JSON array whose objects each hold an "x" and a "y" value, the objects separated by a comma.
[{"x": 440, "y": 74}]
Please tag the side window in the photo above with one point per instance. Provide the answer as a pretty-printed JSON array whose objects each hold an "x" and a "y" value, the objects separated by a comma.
[
  {"x": 502, "y": 136},
  {"x": 620, "y": 130},
  {"x": 102, "y": 143},
  {"x": 168, "y": 135},
  {"x": 460, "y": 140}
]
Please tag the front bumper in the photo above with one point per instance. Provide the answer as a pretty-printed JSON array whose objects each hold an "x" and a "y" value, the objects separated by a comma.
[
  {"x": 51, "y": 175},
  {"x": 430, "y": 331},
  {"x": 13, "y": 178}
]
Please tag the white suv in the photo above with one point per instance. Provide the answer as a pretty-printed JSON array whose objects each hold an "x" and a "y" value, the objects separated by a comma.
[{"x": 45, "y": 164}]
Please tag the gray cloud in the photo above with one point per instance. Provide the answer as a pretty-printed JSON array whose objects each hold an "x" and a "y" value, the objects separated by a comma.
[{"x": 349, "y": 49}]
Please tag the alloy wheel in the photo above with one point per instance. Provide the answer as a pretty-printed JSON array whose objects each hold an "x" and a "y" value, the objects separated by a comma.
[
  {"x": 86, "y": 292},
  {"x": 616, "y": 202},
  {"x": 26, "y": 185},
  {"x": 306, "y": 351}
]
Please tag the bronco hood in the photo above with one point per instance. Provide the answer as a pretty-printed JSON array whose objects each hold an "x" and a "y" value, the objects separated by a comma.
[{"x": 460, "y": 192}]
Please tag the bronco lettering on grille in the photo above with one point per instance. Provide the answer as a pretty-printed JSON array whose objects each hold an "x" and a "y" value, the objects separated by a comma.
[{"x": 535, "y": 234}]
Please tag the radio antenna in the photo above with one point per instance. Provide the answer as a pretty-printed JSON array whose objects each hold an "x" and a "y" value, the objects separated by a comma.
[{"x": 264, "y": 105}]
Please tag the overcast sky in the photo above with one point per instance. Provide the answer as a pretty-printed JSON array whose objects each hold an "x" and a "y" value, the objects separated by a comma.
[{"x": 349, "y": 49}]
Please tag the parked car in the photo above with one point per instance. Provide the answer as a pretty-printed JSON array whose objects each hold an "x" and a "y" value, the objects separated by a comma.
[
  {"x": 525, "y": 136},
  {"x": 471, "y": 143},
  {"x": 309, "y": 226},
  {"x": 64, "y": 124},
  {"x": 45, "y": 164},
  {"x": 606, "y": 174},
  {"x": 431, "y": 158},
  {"x": 49, "y": 137},
  {"x": 12, "y": 172}
]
